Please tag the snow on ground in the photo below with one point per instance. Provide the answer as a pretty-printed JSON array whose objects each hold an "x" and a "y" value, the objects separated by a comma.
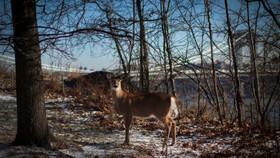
[
  {"x": 83, "y": 132},
  {"x": 7, "y": 98}
]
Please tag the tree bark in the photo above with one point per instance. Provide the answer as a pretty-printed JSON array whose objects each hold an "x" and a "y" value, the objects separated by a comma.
[
  {"x": 256, "y": 86},
  {"x": 215, "y": 86},
  {"x": 32, "y": 127},
  {"x": 144, "y": 59},
  {"x": 236, "y": 81},
  {"x": 168, "y": 49}
]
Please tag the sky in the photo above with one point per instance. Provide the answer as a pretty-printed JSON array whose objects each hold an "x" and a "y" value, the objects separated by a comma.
[
  {"x": 85, "y": 59},
  {"x": 97, "y": 61}
]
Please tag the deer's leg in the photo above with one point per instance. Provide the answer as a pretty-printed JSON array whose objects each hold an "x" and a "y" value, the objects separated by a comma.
[
  {"x": 128, "y": 119},
  {"x": 173, "y": 129},
  {"x": 167, "y": 125}
]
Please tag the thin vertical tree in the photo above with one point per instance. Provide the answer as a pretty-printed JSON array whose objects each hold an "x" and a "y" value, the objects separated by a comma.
[
  {"x": 166, "y": 35},
  {"x": 144, "y": 57},
  {"x": 32, "y": 126},
  {"x": 256, "y": 87},
  {"x": 214, "y": 78},
  {"x": 117, "y": 43},
  {"x": 236, "y": 81},
  {"x": 199, "y": 49}
]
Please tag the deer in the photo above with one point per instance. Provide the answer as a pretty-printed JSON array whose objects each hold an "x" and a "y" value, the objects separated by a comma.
[{"x": 163, "y": 106}]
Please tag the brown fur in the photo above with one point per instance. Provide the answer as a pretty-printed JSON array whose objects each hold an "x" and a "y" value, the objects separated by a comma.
[{"x": 144, "y": 105}]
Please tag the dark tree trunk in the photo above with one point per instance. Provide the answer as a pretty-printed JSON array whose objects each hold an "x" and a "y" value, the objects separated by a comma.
[
  {"x": 256, "y": 87},
  {"x": 215, "y": 85},
  {"x": 144, "y": 59},
  {"x": 165, "y": 31},
  {"x": 32, "y": 127},
  {"x": 236, "y": 81}
]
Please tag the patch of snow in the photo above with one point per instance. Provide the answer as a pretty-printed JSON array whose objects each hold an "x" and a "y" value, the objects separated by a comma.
[
  {"x": 59, "y": 100},
  {"x": 4, "y": 97}
]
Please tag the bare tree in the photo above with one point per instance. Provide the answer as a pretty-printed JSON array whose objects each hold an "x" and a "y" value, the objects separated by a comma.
[
  {"x": 256, "y": 90},
  {"x": 200, "y": 78},
  {"x": 268, "y": 8},
  {"x": 146, "y": 39},
  {"x": 117, "y": 43},
  {"x": 144, "y": 57},
  {"x": 32, "y": 126},
  {"x": 166, "y": 35},
  {"x": 215, "y": 86},
  {"x": 236, "y": 82}
]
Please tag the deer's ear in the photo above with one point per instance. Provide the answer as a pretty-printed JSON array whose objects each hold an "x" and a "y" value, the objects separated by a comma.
[
  {"x": 122, "y": 76},
  {"x": 109, "y": 76}
]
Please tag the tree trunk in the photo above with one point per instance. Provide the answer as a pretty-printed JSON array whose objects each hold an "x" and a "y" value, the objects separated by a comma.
[
  {"x": 256, "y": 90},
  {"x": 168, "y": 49},
  {"x": 118, "y": 47},
  {"x": 235, "y": 65},
  {"x": 215, "y": 86},
  {"x": 165, "y": 68},
  {"x": 32, "y": 127},
  {"x": 144, "y": 59}
]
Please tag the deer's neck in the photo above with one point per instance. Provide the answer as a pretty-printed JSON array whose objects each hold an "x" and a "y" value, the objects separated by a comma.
[{"x": 118, "y": 93}]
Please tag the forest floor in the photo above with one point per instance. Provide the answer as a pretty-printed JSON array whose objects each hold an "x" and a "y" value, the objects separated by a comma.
[{"x": 85, "y": 132}]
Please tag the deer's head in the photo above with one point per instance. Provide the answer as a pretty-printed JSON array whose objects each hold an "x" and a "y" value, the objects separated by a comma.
[{"x": 116, "y": 82}]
